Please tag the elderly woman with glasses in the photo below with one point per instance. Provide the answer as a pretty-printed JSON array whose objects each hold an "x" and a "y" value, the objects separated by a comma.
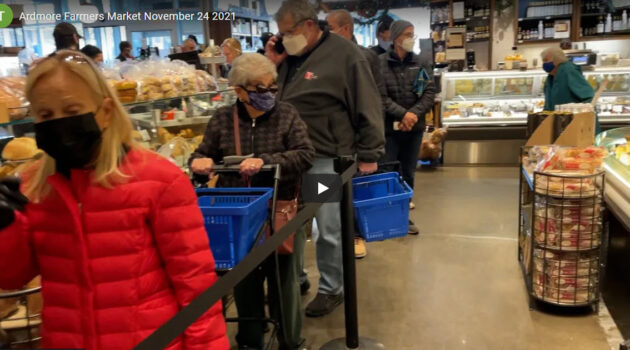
[
  {"x": 113, "y": 230},
  {"x": 271, "y": 132}
]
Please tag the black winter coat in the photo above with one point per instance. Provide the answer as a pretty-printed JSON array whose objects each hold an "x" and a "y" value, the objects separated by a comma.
[
  {"x": 397, "y": 89},
  {"x": 277, "y": 137}
]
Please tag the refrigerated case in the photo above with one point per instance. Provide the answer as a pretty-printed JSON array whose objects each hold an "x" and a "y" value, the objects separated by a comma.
[
  {"x": 616, "y": 286},
  {"x": 613, "y": 107},
  {"x": 486, "y": 112},
  {"x": 618, "y": 171}
]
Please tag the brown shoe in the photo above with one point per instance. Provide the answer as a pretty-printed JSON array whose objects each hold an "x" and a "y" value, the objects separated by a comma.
[{"x": 360, "y": 250}]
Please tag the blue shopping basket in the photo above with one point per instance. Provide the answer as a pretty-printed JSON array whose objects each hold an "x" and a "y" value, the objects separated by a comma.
[
  {"x": 233, "y": 217},
  {"x": 381, "y": 206}
]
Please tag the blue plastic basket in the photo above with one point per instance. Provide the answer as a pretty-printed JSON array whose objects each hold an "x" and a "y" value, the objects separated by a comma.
[
  {"x": 381, "y": 206},
  {"x": 233, "y": 217}
]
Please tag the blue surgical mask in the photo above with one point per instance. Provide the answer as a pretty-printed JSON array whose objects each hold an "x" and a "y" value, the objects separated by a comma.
[
  {"x": 264, "y": 101},
  {"x": 384, "y": 44},
  {"x": 548, "y": 66}
]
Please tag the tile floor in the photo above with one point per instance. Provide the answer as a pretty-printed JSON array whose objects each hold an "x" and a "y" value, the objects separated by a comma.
[{"x": 458, "y": 285}]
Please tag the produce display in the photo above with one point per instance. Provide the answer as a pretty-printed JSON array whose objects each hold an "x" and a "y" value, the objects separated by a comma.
[{"x": 12, "y": 93}]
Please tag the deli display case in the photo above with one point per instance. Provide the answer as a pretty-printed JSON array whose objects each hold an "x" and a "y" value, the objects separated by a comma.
[
  {"x": 617, "y": 167},
  {"x": 486, "y": 112},
  {"x": 616, "y": 285}
]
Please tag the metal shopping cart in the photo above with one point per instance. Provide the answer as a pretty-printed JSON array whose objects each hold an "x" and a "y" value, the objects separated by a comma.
[
  {"x": 20, "y": 330},
  {"x": 236, "y": 220}
]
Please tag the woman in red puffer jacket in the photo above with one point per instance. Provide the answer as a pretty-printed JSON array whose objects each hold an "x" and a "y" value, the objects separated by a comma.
[{"x": 114, "y": 230}]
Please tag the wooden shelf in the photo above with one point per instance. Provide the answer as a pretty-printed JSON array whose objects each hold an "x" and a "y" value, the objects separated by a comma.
[
  {"x": 541, "y": 41},
  {"x": 478, "y": 40},
  {"x": 567, "y": 16},
  {"x": 593, "y": 14},
  {"x": 624, "y": 36}
]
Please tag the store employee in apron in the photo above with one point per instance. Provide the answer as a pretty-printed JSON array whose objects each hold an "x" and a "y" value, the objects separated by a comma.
[{"x": 565, "y": 83}]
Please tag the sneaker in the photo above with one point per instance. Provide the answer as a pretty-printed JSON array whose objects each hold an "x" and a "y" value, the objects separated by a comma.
[
  {"x": 304, "y": 287},
  {"x": 323, "y": 304},
  {"x": 413, "y": 230},
  {"x": 360, "y": 250},
  {"x": 412, "y": 206}
]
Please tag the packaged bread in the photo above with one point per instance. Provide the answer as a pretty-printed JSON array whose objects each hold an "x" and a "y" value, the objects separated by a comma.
[
  {"x": 12, "y": 93},
  {"x": 20, "y": 148}
]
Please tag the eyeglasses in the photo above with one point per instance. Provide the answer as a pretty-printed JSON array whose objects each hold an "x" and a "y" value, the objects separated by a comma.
[
  {"x": 261, "y": 89},
  {"x": 409, "y": 35},
  {"x": 292, "y": 29}
]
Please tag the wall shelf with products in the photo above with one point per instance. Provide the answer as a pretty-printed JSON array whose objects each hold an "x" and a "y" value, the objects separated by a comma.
[
  {"x": 539, "y": 22},
  {"x": 578, "y": 20},
  {"x": 536, "y": 41},
  {"x": 248, "y": 29},
  {"x": 474, "y": 15}
]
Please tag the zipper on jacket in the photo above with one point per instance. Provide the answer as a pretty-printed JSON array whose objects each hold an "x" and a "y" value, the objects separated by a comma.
[{"x": 253, "y": 132}]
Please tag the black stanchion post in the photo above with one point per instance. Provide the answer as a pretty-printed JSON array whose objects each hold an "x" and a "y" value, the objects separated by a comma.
[{"x": 352, "y": 339}]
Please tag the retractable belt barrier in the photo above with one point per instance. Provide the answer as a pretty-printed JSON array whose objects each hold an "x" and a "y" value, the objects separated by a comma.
[{"x": 175, "y": 326}]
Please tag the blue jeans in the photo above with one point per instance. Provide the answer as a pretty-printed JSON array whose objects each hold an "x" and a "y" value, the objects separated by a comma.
[
  {"x": 328, "y": 237},
  {"x": 404, "y": 148}
]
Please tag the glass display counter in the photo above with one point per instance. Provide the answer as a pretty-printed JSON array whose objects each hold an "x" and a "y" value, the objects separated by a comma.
[
  {"x": 617, "y": 167},
  {"x": 486, "y": 112}
]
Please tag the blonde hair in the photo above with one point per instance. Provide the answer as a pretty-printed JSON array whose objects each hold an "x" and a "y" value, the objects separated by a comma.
[
  {"x": 115, "y": 138},
  {"x": 233, "y": 45},
  {"x": 250, "y": 66}
]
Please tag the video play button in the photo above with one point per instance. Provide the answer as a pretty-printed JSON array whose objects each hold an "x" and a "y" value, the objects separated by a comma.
[{"x": 321, "y": 188}]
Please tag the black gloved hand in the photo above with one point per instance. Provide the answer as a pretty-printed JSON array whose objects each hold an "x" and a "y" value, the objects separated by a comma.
[{"x": 11, "y": 199}]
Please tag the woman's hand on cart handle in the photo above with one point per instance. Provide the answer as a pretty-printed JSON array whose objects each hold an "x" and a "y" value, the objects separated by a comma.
[
  {"x": 11, "y": 199},
  {"x": 202, "y": 166},
  {"x": 251, "y": 166}
]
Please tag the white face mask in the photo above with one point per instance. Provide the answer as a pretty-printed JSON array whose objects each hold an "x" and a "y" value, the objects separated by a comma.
[
  {"x": 294, "y": 44},
  {"x": 407, "y": 44}
]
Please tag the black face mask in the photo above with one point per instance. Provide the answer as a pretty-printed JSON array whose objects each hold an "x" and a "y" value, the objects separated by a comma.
[{"x": 71, "y": 141}]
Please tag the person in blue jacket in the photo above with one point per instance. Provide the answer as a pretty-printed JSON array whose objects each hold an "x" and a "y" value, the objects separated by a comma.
[{"x": 565, "y": 83}]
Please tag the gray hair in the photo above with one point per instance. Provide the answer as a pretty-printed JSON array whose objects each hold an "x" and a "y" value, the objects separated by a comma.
[
  {"x": 557, "y": 55},
  {"x": 250, "y": 66},
  {"x": 300, "y": 10},
  {"x": 342, "y": 17}
]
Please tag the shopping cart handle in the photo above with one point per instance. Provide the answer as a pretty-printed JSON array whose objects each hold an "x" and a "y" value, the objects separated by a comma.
[{"x": 236, "y": 168}]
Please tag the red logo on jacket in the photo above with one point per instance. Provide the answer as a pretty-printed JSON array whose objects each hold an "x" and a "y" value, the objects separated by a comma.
[{"x": 310, "y": 76}]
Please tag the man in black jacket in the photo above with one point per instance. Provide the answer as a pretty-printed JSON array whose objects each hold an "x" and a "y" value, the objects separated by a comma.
[
  {"x": 408, "y": 92},
  {"x": 342, "y": 24},
  {"x": 328, "y": 80},
  {"x": 383, "y": 36}
]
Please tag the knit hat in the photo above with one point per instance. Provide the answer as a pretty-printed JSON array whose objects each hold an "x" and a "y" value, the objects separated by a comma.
[{"x": 397, "y": 28}]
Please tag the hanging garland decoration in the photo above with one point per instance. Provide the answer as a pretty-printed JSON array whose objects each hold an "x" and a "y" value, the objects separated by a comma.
[{"x": 368, "y": 9}]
